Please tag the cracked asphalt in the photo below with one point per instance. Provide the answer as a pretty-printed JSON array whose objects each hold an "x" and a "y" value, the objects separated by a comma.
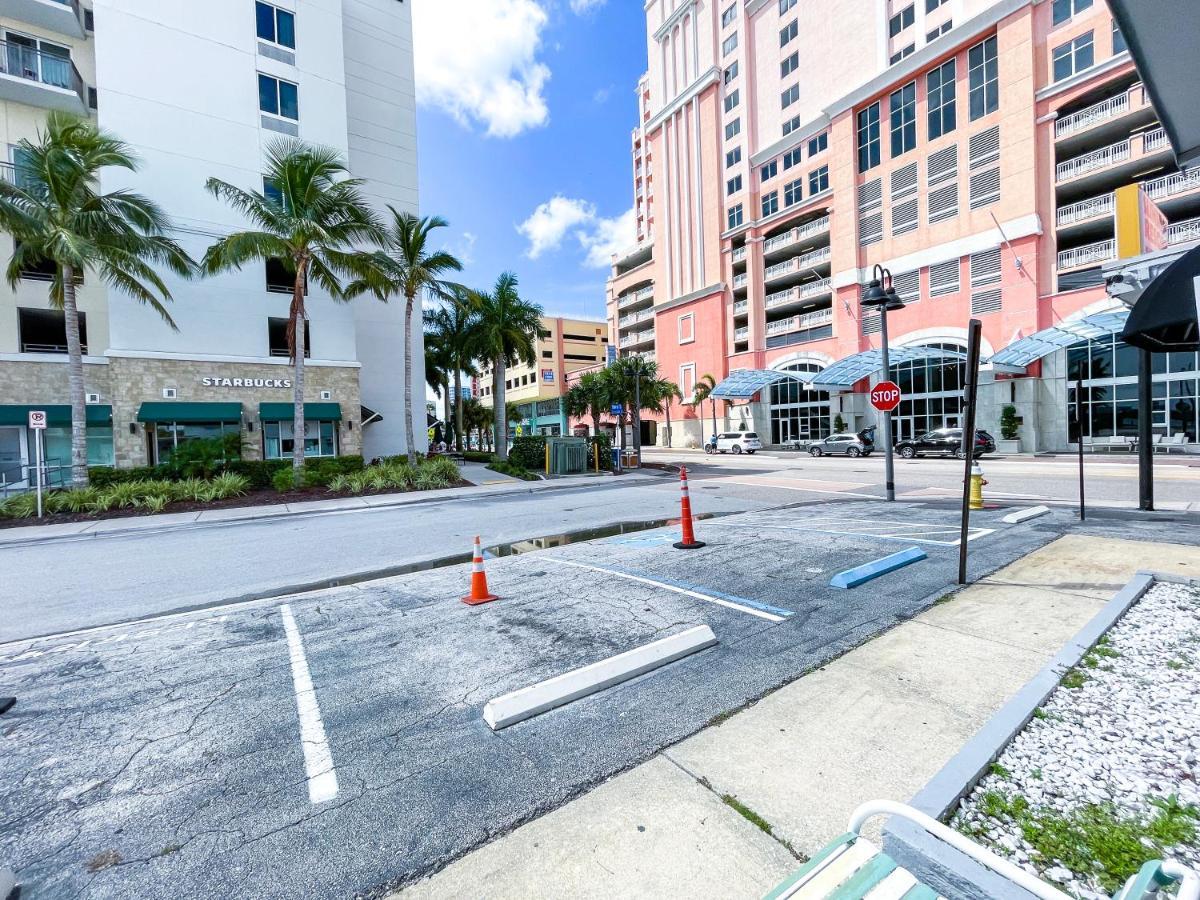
[{"x": 164, "y": 759}]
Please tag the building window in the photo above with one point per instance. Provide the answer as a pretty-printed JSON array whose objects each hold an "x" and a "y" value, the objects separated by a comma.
[
  {"x": 732, "y": 72},
  {"x": 1064, "y": 9},
  {"x": 984, "y": 76},
  {"x": 275, "y": 25},
  {"x": 819, "y": 144},
  {"x": 793, "y": 192},
  {"x": 687, "y": 381},
  {"x": 732, "y": 129},
  {"x": 1119, "y": 45},
  {"x": 733, "y": 157},
  {"x": 272, "y": 192},
  {"x": 733, "y": 185},
  {"x": 789, "y": 65},
  {"x": 785, "y": 5},
  {"x": 45, "y": 330},
  {"x": 901, "y": 20},
  {"x": 735, "y": 216},
  {"x": 729, "y": 44},
  {"x": 899, "y": 55},
  {"x": 770, "y": 203},
  {"x": 790, "y": 96},
  {"x": 278, "y": 97},
  {"x": 818, "y": 180},
  {"x": 769, "y": 171},
  {"x": 277, "y": 337},
  {"x": 788, "y": 33},
  {"x": 903, "y": 107},
  {"x": 729, "y": 15},
  {"x": 167, "y": 437},
  {"x": 791, "y": 125},
  {"x": 939, "y": 86},
  {"x": 687, "y": 328},
  {"x": 939, "y": 31},
  {"x": 868, "y": 138},
  {"x": 731, "y": 100},
  {"x": 791, "y": 158},
  {"x": 280, "y": 279},
  {"x": 1074, "y": 56},
  {"x": 931, "y": 5},
  {"x": 320, "y": 439}
]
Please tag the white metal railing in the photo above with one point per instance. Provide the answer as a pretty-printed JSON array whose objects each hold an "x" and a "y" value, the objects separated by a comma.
[
  {"x": 1088, "y": 253},
  {"x": 635, "y": 297},
  {"x": 739, "y": 253},
  {"x": 741, "y": 334},
  {"x": 800, "y": 323},
  {"x": 1085, "y": 209},
  {"x": 1175, "y": 183},
  {"x": 1090, "y": 162},
  {"x": 815, "y": 258},
  {"x": 780, "y": 269},
  {"x": 1154, "y": 140},
  {"x": 639, "y": 338},
  {"x": 1099, "y": 112},
  {"x": 816, "y": 226},
  {"x": 1182, "y": 232},
  {"x": 634, "y": 318},
  {"x": 643, "y": 293},
  {"x": 782, "y": 298},
  {"x": 799, "y": 233},
  {"x": 741, "y": 307},
  {"x": 816, "y": 288},
  {"x": 740, "y": 281}
]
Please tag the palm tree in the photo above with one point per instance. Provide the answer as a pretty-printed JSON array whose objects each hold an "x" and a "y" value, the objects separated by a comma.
[
  {"x": 411, "y": 269},
  {"x": 456, "y": 325},
  {"x": 508, "y": 329},
  {"x": 639, "y": 374},
  {"x": 57, "y": 216},
  {"x": 476, "y": 417},
  {"x": 309, "y": 218},
  {"x": 438, "y": 362},
  {"x": 704, "y": 388},
  {"x": 666, "y": 392},
  {"x": 589, "y": 397}
]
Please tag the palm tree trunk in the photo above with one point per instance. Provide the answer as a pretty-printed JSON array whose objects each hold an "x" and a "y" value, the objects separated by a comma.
[
  {"x": 458, "y": 410},
  {"x": 449, "y": 415},
  {"x": 499, "y": 409},
  {"x": 714, "y": 406},
  {"x": 410, "y": 444},
  {"x": 595, "y": 421},
  {"x": 299, "y": 347},
  {"x": 75, "y": 386},
  {"x": 667, "y": 406}
]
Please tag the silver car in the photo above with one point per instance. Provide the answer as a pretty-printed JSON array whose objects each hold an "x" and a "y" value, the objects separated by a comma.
[{"x": 845, "y": 444}]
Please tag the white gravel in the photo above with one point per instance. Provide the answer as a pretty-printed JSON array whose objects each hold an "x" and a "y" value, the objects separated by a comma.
[{"x": 1129, "y": 735}]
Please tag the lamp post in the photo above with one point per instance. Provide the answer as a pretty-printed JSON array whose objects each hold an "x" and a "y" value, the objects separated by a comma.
[
  {"x": 634, "y": 371},
  {"x": 880, "y": 295}
]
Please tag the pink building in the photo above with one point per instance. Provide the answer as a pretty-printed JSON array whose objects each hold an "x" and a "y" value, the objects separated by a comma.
[{"x": 970, "y": 146}]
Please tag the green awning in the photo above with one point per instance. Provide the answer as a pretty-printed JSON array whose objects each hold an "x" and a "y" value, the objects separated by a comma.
[
  {"x": 313, "y": 412},
  {"x": 58, "y": 415},
  {"x": 190, "y": 412}
]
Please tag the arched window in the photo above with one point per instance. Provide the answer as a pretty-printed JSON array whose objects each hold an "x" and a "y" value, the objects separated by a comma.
[{"x": 797, "y": 412}]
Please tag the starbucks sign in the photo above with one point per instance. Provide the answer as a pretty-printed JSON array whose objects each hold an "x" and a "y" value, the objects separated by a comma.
[{"x": 221, "y": 382}]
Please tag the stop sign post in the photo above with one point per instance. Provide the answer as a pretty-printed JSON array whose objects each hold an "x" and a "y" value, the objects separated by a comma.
[{"x": 885, "y": 396}]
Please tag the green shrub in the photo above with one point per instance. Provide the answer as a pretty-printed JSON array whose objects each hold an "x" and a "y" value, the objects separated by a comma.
[
  {"x": 20, "y": 506},
  {"x": 155, "y": 504},
  {"x": 507, "y": 468},
  {"x": 102, "y": 477},
  {"x": 428, "y": 479},
  {"x": 444, "y": 467},
  {"x": 258, "y": 471},
  {"x": 284, "y": 480},
  {"x": 228, "y": 484},
  {"x": 322, "y": 470},
  {"x": 1010, "y": 428},
  {"x": 478, "y": 456},
  {"x": 76, "y": 501},
  {"x": 529, "y": 452},
  {"x": 206, "y": 457},
  {"x": 604, "y": 442}
]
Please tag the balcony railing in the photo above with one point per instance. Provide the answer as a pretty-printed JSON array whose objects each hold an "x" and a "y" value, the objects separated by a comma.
[
  {"x": 640, "y": 338},
  {"x": 816, "y": 288},
  {"x": 634, "y": 318},
  {"x": 798, "y": 263},
  {"x": 742, "y": 334},
  {"x": 741, "y": 307},
  {"x": 1090, "y": 162},
  {"x": 1099, "y": 112},
  {"x": 635, "y": 297},
  {"x": 1182, "y": 232},
  {"x": 739, "y": 253},
  {"x": 1087, "y": 254},
  {"x": 32, "y": 64},
  {"x": 799, "y": 233},
  {"x": 1085, "y": 209},
  {"x": 740, "y": 281},
  {"x": 1154, "y": 140},
  {"x": 782, "y": 298},
  {"x": 1170, "y": 185},
  {"x": 801, "y": 323}
]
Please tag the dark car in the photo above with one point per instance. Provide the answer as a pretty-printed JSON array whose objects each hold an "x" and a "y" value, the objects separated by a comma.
[{"x": 944, "y": 442}]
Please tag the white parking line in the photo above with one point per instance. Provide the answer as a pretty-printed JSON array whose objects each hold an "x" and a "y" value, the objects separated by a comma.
[
  {"x": 318, "y": 761},
  {"x": 805, "y": 490},
  {"x": 892, "y": 531}
]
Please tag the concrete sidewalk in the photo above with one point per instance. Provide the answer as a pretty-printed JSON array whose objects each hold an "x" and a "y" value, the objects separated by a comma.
[{"x": 876, "y": 723}]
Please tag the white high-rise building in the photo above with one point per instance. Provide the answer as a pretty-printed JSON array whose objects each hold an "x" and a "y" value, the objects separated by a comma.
[{"x": 201, "y": 90}]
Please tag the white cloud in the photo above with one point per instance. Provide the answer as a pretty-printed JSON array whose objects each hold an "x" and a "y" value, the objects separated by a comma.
[
  {"x": 601, "y": 95},
  {"x": 478, "y": 61},
  {"x": 581, "y": 6},
  {"x": 608, "y": 236},
  {"x": 552, "y": 220},
  {"x": 465, "y": 251}
]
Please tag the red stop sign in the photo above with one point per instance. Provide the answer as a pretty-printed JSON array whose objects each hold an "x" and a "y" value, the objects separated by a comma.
[{"x": 885, "y": 396}]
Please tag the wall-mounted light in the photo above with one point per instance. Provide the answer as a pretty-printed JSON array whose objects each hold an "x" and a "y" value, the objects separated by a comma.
[
  {"x": 349, "y": 424},
  {"x": 133, "y": 427},
  {"x": 250, "y": 427}
]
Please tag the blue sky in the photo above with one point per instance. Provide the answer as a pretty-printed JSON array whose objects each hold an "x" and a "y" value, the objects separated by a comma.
[{"x": 524, "y": 117}]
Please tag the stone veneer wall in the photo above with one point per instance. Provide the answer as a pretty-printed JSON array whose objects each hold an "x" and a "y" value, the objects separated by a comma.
[{"x": 46, "y": 382}]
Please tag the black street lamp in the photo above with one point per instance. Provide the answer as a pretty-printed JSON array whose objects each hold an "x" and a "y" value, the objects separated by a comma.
[{"x": 881, "y": 295}]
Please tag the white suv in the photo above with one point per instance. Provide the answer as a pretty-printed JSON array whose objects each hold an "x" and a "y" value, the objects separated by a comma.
[{"x": 737, "y": 441}]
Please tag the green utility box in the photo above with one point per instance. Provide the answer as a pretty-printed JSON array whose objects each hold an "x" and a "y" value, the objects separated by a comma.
[{"x": 568, "y": 455}]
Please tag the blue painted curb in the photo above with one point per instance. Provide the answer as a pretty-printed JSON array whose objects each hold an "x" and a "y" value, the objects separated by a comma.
[{"x": 852, "y": 578}]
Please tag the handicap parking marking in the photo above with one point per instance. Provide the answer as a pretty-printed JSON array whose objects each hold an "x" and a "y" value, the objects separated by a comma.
[
  {"x": 921, "y": 533},
  {"x": 741, "y": 604},
  {"x": 643, "y": 540},
  {"x": 28, "y": 647},
  {"x": 789, "y": 484}
]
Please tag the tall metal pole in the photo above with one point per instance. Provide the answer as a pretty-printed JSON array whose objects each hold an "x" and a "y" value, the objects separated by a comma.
[
  {"x": 1145, "y": 433},
  {"x": 889, "y": 471},
  {"x": 1079, "y": 441},
  {"x": 974, "y": 331},
  {"x": 637, "y": 415}
]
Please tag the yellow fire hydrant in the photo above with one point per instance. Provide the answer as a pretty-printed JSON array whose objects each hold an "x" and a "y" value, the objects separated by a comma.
[{"x": 977, "y": 483}]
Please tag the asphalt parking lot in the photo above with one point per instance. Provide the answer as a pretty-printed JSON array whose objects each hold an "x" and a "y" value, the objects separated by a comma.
[{"x": 331, "y": 743}]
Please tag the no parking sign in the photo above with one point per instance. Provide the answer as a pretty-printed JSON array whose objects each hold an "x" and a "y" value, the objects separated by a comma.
[{"x": 37, "y": 419}]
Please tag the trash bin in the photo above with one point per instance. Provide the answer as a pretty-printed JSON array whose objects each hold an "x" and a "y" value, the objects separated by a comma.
[{"x": 616, "y": 459}]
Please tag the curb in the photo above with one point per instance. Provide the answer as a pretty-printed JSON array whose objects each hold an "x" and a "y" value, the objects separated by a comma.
[{"x": 852, "y": 578}]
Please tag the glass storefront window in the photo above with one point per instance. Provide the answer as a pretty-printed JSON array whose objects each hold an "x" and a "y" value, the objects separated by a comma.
[
  {"x": 320, "y": 439},
  {"x": 932, "y": 391},
  {"x": 169, "y": 436},
  {"x": 57, "y": 445},
  {"x": 798, "y": 413}
]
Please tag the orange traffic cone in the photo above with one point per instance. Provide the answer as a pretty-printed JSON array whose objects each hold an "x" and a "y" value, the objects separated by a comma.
[
  {"x": 479, "y": 586},
  {"x": 689, "y": 541}
]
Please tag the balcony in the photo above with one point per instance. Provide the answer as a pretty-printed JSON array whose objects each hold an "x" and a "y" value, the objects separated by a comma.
[
  {"x": 634, "y": 318},
  {"x": 796, "y": 235},
  {"x": 1091, "y": 162},
  {"x": 60, "y": 16},
  {"x": 37, "y": 78},
  {"x": 642, "y": 337},
  {"x": 1116, "y": 162},
  {"x": 1183, "y": 232},
  {"x": 1173, "y": 184},
  {"x": 1087, "y": 255},
  {"x": 739, "y": 254},
  {"x": 740, "y": 281},
  {"x": 797, "y": 265},
  {"x": 741, "y": 308},
  {"x": 634, "y": 298},
  {"x": 1108, "y": 110},
  {"x": 742, "y": 334},
  {"x": 1085, "y": 210}
]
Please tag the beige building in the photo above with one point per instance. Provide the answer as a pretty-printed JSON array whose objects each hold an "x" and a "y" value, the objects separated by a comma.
[{"x": 563, "y": 346}]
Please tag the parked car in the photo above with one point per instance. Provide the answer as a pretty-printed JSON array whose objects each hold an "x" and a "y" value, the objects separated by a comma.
[
  {"x": 844, "y": 444},
  {"x": 735, "y": 441},
  {"x": 944, "y": 442}
]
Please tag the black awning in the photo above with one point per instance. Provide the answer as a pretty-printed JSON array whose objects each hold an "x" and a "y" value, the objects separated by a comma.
[{"x": 1165, "y": 315}]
